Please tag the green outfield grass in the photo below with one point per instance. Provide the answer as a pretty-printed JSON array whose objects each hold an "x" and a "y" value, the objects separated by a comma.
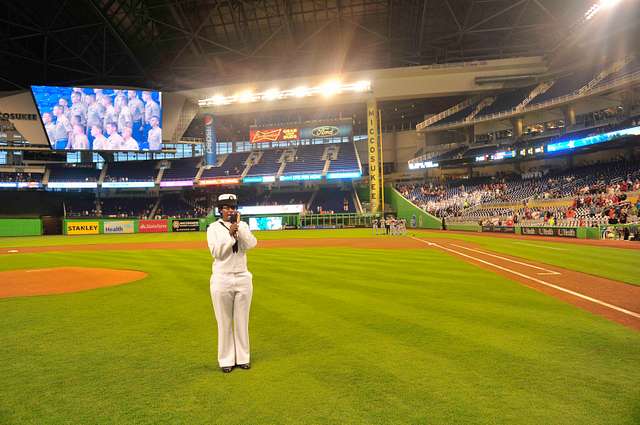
[
  {"x": 613, "y": 263},
  {"x": 338, "y": 336}
]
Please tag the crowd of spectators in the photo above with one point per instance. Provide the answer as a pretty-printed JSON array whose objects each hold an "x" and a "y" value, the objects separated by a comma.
[
  {"x": 20, "y": 177},
  {"x": 595, "y": 195}
]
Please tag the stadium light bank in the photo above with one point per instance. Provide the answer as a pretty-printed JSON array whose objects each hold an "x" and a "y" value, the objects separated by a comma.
[
  {"x": 328, "y": 89},
  {"x": 597, "y": 7}
]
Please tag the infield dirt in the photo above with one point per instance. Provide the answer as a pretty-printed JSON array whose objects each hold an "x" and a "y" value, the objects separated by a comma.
[{"x": 62, "y": 280}]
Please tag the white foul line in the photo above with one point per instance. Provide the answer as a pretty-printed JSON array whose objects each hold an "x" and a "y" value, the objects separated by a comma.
[
  {"x": 542, "y": 282},
  {"x": 546, "y": 271}
]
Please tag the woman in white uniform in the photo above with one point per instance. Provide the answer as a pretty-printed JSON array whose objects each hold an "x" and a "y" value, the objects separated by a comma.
[{"x": 231, "y": 283}]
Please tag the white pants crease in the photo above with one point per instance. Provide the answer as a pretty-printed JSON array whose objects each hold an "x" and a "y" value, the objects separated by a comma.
[{"x": 231, "y": 296}]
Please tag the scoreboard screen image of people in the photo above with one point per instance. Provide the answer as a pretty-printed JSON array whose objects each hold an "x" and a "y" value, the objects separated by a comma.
[{"x": 81, "y": 119}]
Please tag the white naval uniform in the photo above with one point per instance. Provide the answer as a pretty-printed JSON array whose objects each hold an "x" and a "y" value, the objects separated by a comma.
[{"x": 231, "y": 290}]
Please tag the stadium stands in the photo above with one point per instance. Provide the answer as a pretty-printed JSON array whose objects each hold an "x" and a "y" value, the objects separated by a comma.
[
  {"x": 347, "y": 160},
  {"x": 506, "y": 101},
  {"x": 566, "y": 84},
  {"x": 182, "y": 169},
  {"x": 131, "y": 171},
  {"x": 590, "y": 193},
  {"x": 20, "y": 177},
  {"x": 308, "y": 160},
  {"x": 80, "y": 206},
  {"x": 126, "y": 207},
  {"x": 332, "y": 200},
  {"x": 268, "y": 164},
  {"x": 73, "y": 174},
  {"x": 232, "y": 166}
]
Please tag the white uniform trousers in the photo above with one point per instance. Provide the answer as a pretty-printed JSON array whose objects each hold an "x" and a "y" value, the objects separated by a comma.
[{"x": 231, "y": 295}]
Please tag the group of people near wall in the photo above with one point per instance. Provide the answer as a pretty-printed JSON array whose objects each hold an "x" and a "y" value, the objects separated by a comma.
[{"x": 389, "y": 226}]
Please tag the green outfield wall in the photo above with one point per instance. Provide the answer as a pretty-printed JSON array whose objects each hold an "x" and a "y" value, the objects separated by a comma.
[
  {"x": 415, "y": 216},
  {"x": 20, "y": 227}
]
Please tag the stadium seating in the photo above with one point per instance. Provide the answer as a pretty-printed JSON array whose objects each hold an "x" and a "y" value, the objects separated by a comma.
[
  {"x": 268, "y": 164},
  {"x": 308, "y": 160},
  {"x": 80, "y": 206},
  {"x": 182, "y": 169},
  {"x": 332, "y": 200},
  {"x": 20, "y": 177},
  {"x": 458, "y": 116},
  {"x": 506, "y": 101},
  {"x": 131, "y": 171},
  {"x": 594, "y": 188},
  {"x": 232, "y": 166},
  {"x": 347, "y": 160},
  {"x": 566, "y": 84},
  {"x": 126, "y": 207},
  {"x": 73, "y": 174}
]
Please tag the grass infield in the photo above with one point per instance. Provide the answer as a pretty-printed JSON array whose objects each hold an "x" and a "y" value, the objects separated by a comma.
[{"x": 338, "y": 336}]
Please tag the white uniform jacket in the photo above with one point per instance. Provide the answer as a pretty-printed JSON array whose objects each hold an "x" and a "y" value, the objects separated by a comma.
[{"x": 221, "y": 247}]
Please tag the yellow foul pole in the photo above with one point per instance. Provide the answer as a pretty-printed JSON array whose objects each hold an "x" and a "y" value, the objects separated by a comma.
[
  {"x": 381, "y": 161},
  {"x": 373, "y": 157}
]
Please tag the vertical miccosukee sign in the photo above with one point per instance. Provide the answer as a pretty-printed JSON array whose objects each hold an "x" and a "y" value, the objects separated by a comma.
[
  {"x": 373, "y": 155},
  {"x": 209, "y": 141}
]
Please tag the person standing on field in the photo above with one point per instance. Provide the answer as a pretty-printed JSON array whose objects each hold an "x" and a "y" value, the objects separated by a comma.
[{"x": 231, "y": 283}]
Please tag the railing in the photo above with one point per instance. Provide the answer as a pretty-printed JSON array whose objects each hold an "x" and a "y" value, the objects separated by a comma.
[
  {"x": 538, "y": 106},
  {"x": 336, "y": 220},
  {"x": 446, "y": 113}
]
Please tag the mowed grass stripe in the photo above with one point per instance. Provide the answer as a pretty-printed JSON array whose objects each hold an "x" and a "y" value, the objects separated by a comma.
[
  {"x": 338, "y": 335},
  {"x": 612, "y": 263}
]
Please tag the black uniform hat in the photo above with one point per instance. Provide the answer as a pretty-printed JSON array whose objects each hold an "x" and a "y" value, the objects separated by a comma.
[{"x": 228, "y": 199}]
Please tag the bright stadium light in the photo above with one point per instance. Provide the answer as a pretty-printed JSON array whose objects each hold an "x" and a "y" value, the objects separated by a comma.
[
  {"x": 327, "y": 89},
  {"x": 218, "y": 99},
  {"x": 330, "y": 88},
  {"x": 596, "y": 7},
  {"x": 246, "y": 97},
  {"x": 271, "y": 94},
  {"x": 362, "y": 86},
  {"x": 300, "y": 91}
]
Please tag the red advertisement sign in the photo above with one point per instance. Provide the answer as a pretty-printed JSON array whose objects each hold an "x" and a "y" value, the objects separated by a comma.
[
  {"x": 258, "y": 135},
  {"x": 153, "y": 226}
]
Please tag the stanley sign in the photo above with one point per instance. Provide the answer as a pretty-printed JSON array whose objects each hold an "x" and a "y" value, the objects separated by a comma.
[{"x": 82, "y": 227}]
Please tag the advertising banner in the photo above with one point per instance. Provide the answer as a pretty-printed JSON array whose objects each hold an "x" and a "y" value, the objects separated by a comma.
[
  {"x": 219, "y": 181},
  {"x": 118, "y": 227},
  {"x": 210, "y": 140},
  {"x": 259, "y": 135},
  {"x": 153, "y": 226},
  {"x": 322, "y": 131},
  {"x": 563, "y": 232},
  {"x": 185, "y": 225},
  {"x": 373, "y": 155},
  {"x": 499, "y": 229},
  {"x": 82, "y": 227}
]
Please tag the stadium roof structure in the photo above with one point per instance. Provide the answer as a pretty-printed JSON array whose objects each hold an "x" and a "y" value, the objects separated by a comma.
[{"x": 177, "y": 45}]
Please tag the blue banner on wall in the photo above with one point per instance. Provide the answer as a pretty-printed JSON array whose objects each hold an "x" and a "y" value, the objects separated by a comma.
[
  {"x": 322, "y": 131},
  {"x": 210, "y": 140}
]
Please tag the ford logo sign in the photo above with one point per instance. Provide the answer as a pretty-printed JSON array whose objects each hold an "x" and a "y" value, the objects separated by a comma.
[{"x": 325, "y": 131}]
